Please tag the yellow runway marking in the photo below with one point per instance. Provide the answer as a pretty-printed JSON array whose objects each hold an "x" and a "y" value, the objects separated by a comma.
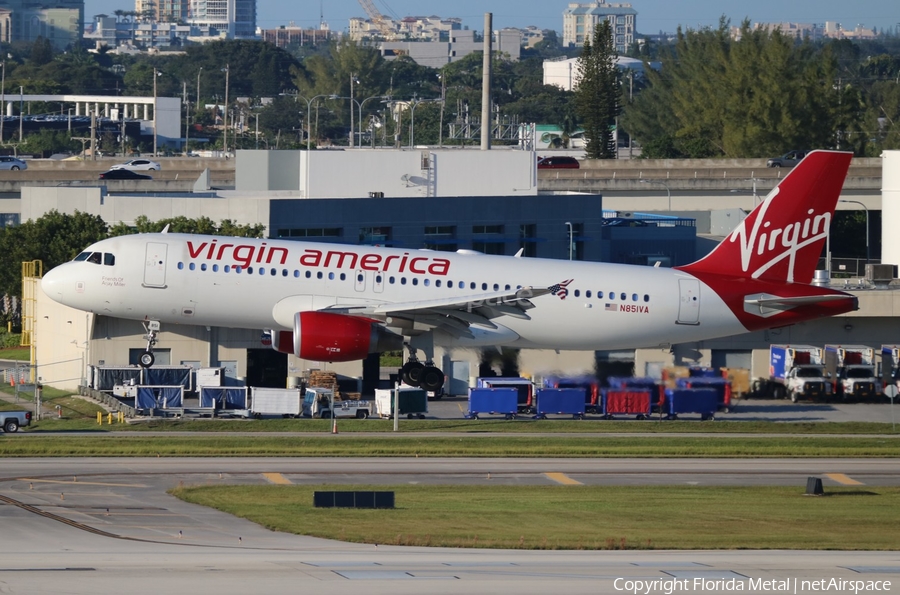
[
  {"x": 85, "y": 483},
  {"x": 843, "y": 479},
  {"x": 563, "y": 479},
  {"x": 277, "y": 478}
]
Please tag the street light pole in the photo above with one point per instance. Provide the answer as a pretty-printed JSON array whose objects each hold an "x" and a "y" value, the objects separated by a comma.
[
  {"x": 156, "y": 74},
  {"x": 352, "y": 136},
  {"x": 309, "y": 114},
  {"x": 867, "y": 224},
  {"x": 360, "y": 105},
  {"x": 225, "y": 139},
  {"x": 571, "y": 234},
  {"x": 3, "y": 99},
  {"x": 664, "y": 185}
]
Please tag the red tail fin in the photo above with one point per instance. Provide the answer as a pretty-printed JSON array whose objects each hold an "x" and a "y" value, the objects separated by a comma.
[{"x": 782, "y": 239}]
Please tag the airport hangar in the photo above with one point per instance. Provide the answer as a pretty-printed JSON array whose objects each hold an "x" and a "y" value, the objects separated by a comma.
[{"x": 424, "y": 198}]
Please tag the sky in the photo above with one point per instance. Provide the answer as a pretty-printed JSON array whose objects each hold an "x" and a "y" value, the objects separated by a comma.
[{"x": 653, "y": 15}]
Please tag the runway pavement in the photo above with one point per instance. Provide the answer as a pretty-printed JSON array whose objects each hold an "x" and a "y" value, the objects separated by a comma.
[{"x": 104, "y": 526}]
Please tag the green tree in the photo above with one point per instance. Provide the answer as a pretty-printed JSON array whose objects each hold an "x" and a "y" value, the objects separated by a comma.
[
  {"x": 41, "y": 51},
  {"x": 598, "y": 96},
  {"x": 54, "y": 238}
]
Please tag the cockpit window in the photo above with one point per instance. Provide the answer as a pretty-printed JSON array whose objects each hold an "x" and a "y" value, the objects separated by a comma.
[
  {"x": 109, "y": 259},
  {"x": 83, "y": 256},
  {"x": 95, "y": 257}
]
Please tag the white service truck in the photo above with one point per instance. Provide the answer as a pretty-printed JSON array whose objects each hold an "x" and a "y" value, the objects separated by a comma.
[
  {"x": 318, "y": 402},
  {"x": 796, "y": 371},
  {"x": 852, "y": 368}
]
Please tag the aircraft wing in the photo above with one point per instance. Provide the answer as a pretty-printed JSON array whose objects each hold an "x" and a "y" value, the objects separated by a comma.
[{"x": 451, "y": 314}]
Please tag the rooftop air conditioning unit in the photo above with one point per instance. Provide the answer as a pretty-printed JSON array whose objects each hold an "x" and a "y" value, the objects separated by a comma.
[{"x": 880, "y": 275}]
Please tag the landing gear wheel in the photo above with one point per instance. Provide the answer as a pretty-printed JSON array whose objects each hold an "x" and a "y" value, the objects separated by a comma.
[
  {"x": 411, "y": 373},
  {"x": 147, "y": 359},
  {"x": 431, "y": 379}
]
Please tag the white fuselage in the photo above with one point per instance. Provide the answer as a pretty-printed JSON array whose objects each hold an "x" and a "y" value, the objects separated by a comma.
[{"x": 261, "y": 284}]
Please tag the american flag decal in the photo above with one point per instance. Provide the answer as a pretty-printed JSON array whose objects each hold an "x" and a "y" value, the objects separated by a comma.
[
  {"x": 612, "y": 307},
  {"x": 559, "y": 289}
]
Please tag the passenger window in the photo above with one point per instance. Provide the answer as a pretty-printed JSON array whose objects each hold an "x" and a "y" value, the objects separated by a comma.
[
  {"x": 284, "y": 272},
  {"x": 484, "y": 286},
  {"x": 634, "y": 297},
  {"x": 331, "y": 276},
  {"x": 402, "y": 280},
  {"x": 426, "y": 282},
  {"x": 612, "y": 295},
  {"x": 623, "y": 297},
  {"x": 472, "y": 285},
  {"x": 415, "y": 280},
  {"x": 577, "y": 293},
  {"x": 646, "y": 298},
  {"x": 587, "y": 293},
  {"x": 203, "y": 267},
  {"x": 227, "y": 268},
  {"x": 192, "y": 266},
  {"x": 215, "y": 268},
  {"x": 309, "y": 274},
  {"x": 274, "y": 272},
  {"x": 391, "y": 280},
  {"x": 378, "y": 278},
  {"x": 319, "y": 275},
  {"x": 506, "y": 288},
  {"x": 359, "y": 278},
  {"x": 237, "y": 270},
  {"x": 109, "y": 259},
  {"x": 343, "y": 276},
  {"x": 249, "y": 270},
  {"x": 437, "y": 283},
  {"x": 599, "y": 295},
  {"x": 462, "y": 285},
  {"x": 180, "y": 266},
  {"x": 296, "y": 274},
  {"x": 496, "y": 287}
]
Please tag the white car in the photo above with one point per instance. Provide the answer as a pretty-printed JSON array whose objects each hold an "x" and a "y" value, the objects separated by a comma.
[{"x": 138, "y": 165}]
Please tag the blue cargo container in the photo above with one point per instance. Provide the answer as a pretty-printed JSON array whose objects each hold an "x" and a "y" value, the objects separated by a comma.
[
  {"x": 561, "y": 401},
  {"x": 722, "y": 386},
  {"x": 588, "y": 384},
  {"x": 495, "y": 401},
  {"x": 704, "y": 372},
  {"x": 692, "y": 400},
  {"x": 524, "y": 386}
]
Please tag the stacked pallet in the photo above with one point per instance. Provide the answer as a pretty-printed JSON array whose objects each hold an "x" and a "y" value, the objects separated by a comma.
[{"x": 320, "y": 379}]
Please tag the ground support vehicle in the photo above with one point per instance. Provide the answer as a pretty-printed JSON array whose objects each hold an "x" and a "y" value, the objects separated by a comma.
[
  {"x": 11, "y": 421},
  {"x": 627, "y": 401},
  {"x": 795, "y": 371},
  {"x": 657, "y": 391},
  {"x": 285, "y": 402},
  {"x": 523, "y": 385},
  {"x": 890, "y": 370},
  {"x": 493, "y": 401},
  {"x": 722, "y": 386},
  {"x": 560, "y": 401},
  {"x": 319, "y": 402},
  {"x": 412, "y": 402},
  {"x": 852, "y": 370},
  {"x": 692, "y": 400},
  {"x": 590, "y": 385}
]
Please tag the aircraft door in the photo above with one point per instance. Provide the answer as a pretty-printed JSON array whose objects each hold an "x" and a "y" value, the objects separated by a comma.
[
  {"x": 378, "y": 285},
  {"x": 360, "y": 280},
  {"x": 689, "y": 301},
  {"x": 155, "y": 265}
]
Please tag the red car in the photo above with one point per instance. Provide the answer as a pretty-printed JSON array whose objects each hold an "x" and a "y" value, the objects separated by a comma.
[{"x": 558, "y": 163}]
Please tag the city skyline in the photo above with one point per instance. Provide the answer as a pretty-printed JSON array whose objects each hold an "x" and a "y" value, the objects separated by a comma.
[{"x": 653, "y": 15}]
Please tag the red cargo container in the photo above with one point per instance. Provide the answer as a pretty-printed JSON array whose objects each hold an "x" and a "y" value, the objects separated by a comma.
[{"x": 626, "y": 402}]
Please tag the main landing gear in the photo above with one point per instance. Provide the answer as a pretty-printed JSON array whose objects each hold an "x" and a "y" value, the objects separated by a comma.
[
  {"x": 147, "y": 358},
  {"x": 426, "y": 376}
]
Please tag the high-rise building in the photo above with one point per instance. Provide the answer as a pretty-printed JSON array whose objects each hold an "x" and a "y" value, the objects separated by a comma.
[
  {"x": 236, "y": 18},
  {"x": 579, "y": 21},
  {"x": 162, "y": 11},
  {"x": 60, "y": 21}
]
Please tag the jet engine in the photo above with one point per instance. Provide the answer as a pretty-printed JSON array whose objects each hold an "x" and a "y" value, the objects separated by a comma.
[{"x": 330, "y": 337}]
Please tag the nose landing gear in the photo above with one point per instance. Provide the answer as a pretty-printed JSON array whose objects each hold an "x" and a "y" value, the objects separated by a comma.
[{"x": 152, "y": 327}]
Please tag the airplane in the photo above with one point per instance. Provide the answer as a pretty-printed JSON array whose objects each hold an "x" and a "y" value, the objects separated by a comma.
[{"x": 332, "y": 302}]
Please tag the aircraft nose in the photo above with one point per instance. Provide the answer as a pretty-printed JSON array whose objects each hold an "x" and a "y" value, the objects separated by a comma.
[{"x": 52, "y": 283}]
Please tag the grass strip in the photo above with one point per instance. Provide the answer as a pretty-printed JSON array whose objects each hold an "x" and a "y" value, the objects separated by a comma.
[
  {"x": 457, "y": 446},
  {"x": 482, "y": 426},
  {"x": 579, "y": 517}
]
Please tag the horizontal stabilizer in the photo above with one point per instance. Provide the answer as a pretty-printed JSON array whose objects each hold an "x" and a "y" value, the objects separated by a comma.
[{"x": 764, "y": 304}]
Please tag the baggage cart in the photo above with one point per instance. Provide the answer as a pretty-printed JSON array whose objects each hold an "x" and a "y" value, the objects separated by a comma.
[
  {"x": 692, "y": 400},
  {"x": 493, "y": 401},
  {"x": 630, "y": 401},
  {"x": 722, "y": 386},
  {"x": 523, "y": 385},
  {"x": 412, "y": 402},
  {"x": 560, "y": 401},
  {"x": 589, "y": 384}
]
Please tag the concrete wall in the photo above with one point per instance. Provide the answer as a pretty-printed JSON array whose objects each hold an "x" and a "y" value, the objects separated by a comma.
[
  {"x": 267, "y": 170},
  {"x": 37, "y": 201},
  {"x": 416, "y": 173}
]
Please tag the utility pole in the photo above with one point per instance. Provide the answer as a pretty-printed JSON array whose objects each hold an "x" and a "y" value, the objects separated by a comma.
[{"x": 94, "y": 135}]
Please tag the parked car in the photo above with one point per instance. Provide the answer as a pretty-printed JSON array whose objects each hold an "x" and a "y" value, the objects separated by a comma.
[
  {"x": 12, "y": 163},
  {"x": 558, "y": 162},
  {"x": 789, "y": 159},
  {"x": 138, "y": 165},
  {"x": 123, "y": 174}
]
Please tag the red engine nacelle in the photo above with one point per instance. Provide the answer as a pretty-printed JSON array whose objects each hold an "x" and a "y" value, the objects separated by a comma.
[{"x": 330, "y": 337}]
